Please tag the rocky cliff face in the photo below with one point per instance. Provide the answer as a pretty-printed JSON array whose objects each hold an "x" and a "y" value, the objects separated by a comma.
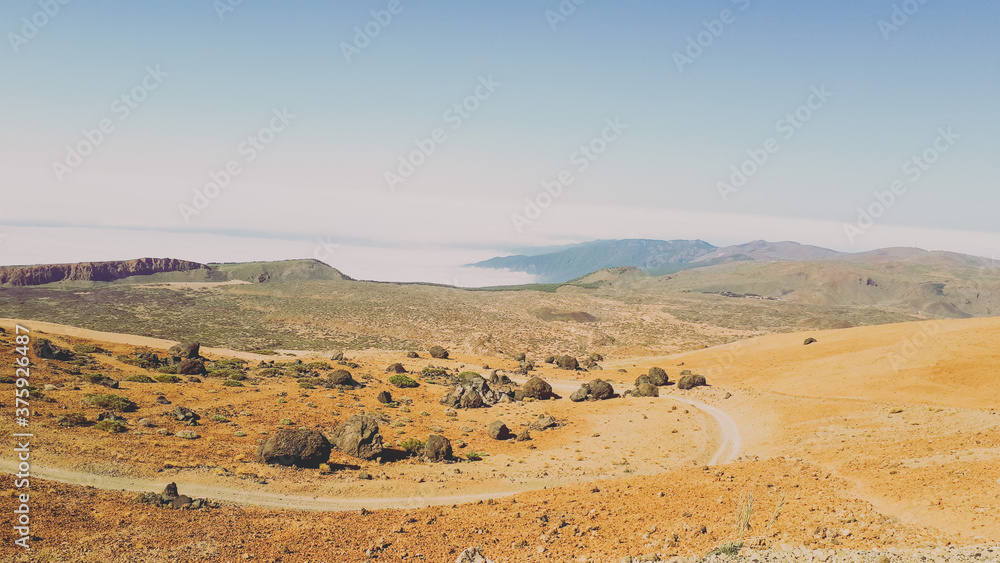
[{"x": 92, "y": 271}]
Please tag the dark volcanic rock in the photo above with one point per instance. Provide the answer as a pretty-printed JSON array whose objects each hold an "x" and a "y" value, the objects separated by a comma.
[
  {"x": 809, "y": 341},
  {"x": 537, "y": 388},
  {"x": 691, "y": 381},
  {"x": 580, "y": 394},
  {"x": 46, "y": 350},
  {"x": 437, "y": 448},
  {"x": 340, "y": 377},
  {"x": 186, "y": 350},
  {"x": 384, "y": 397},
  {"x": 646, "y": 389},
  {"x": 302, "y": 448},
  {"x": 438, "y": 352},
  {"x": 359, "y": 437},
  {"x": 190, "y": 366},
  {"x": 658, "y": 377},
  {"x": 499, "y": 431},
  {"x": 567, "y": 362},
  {"x": 601, "y": 390}
]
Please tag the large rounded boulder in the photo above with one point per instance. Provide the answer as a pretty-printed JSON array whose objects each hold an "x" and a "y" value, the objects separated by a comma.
[
  {"x": 658, "y": 377},
  {"x": 537, "y": 388},
  {"x": 499, "y": 431},
  {"x": 646, "y": 389},
  {"x": 186, "y": 350},
  {"x": 601, "y": 390},
  {"x": 438, "y": 352},
  {"x": 437, "y": 448},
  {"x": 691, "y": 381},
  {"x": 359, "y": 437},
  {"x": 302, "y": 448},
  {"x": 580, "y": 394},
  {"x": 567, "y": 362}
]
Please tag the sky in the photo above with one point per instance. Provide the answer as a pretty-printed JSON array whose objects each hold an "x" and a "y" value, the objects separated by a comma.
[{"x": 399, "y": 140}]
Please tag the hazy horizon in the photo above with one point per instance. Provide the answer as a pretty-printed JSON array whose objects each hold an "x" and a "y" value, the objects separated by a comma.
[{"x": 401, "y": 141}]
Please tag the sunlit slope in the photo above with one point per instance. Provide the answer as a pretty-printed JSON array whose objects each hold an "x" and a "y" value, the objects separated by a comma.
[{"x": 953, "y": 362}]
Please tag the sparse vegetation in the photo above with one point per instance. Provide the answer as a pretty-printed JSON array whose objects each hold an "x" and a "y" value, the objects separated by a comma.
[
  {"x": 231, "y": 383},
  {"x": 139, "y": 378},
  {"x": 412, "y": 446},
  {"x": 112, "y": 402},
  {"x": 112, "y": 426},
  {"x": 167, "y": 378},
  {"x": 403, "y": 381},
  {"x": 87, "y": 348}
]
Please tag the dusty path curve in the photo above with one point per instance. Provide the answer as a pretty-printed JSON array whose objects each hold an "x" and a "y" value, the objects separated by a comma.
[{"x": 727, "y": 451}]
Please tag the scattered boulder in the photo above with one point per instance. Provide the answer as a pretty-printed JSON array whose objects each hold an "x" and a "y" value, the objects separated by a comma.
[
  {"x": 544, "y": 422},
  {"x": 301, "y": 448},
  {"x": 646, "y": 389},
  {"x": 580, "y": 394},
  {"x": 658, "y": 377},
  {"x": 384, "y": 397},
  {"x": 395, "y": 368},
  {"x": 588, "y": 363},
  {"x": 523, "y": 436},
  {"x": 170, "y": 498},
  {"x": 45, "y": 349},
  {"x": 520, "y": 357},
  {"x": 567, "y": 362},
  {"x": 359, "y": 437},
  {"x": 340, "y": 377},
  {"x": 189, "y": 350},
  {"x": 601, "y": 390},
  {"x": 691, "y": 381},
  {"x": 499, "y": 379},
  {"x": 412, "y": 354},
  {"x": 537, "y": 388},
  {"x": 437, "y": 448},
  {"x": 337, "y": 356},
  {"x": 642, "y": 379},
  {"x": 110, "y": 416},
  {"x": 597, "y": 357},
  {"x": 686, "y": 372},
  {"x": 190, "y": 366},
  {"x": 184, "y": 414},
  {"x": 161, "y": 400},
  {"x": 809, "y": 341},
  {"x": 438, "y": 352},
  {"x": 108, "y": 382},
  {"x": 499, "y": 431},
  {"x": 550, "y": 359},
  {"x": 473, "y": 392}
]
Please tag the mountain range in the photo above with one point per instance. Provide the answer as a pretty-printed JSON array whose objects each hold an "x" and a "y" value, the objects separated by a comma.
[{"x": 658, "y": 257}]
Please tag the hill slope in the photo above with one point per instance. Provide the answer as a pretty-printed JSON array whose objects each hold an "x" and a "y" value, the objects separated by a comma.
[{"x": 94, "y": 271}]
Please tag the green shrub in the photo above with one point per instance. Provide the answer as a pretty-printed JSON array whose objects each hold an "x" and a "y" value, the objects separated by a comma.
[
  {"x": 402, "y": 381},
  {"x": 219, "y": 418},
  {"x": 139, "y": 378},
  {"x": 112, "y": 426},
  {"x": 88, "y": 349},
  {"x": 269, "y": 372},
  {"x": 317, "y": 365},
  {"x": 473, "y": 456},
  {"x": 307, "y": 383},
  {"x": 167, "y": 378},
  {"x": 468, "y": 375},
  {"x": 234, "y": 363},
  {"x": 434, "y": 372},
  {"x": 109, "y": 401},
  {"x": 286, "y": 422},
  {"x": 167, "y": 369},
  {"x": 412, "y": 446},
  {"x": 231, "y": 383},
  {"x": 6, "y": 379}
]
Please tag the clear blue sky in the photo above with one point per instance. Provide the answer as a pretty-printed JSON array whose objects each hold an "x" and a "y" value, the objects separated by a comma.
[{"x": 324, "y": 174}]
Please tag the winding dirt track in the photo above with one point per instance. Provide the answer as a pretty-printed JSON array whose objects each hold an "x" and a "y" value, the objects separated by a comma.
[{"x": 727, "y": 451}]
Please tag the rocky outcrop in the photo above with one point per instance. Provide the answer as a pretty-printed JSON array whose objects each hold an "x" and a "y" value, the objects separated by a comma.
[
  {"x": 658, "y": 377},
  {"x": 93, "y": 271}
]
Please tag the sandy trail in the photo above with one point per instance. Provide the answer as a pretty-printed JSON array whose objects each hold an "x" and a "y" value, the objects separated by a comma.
[{"x": 728, "y": 449}]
